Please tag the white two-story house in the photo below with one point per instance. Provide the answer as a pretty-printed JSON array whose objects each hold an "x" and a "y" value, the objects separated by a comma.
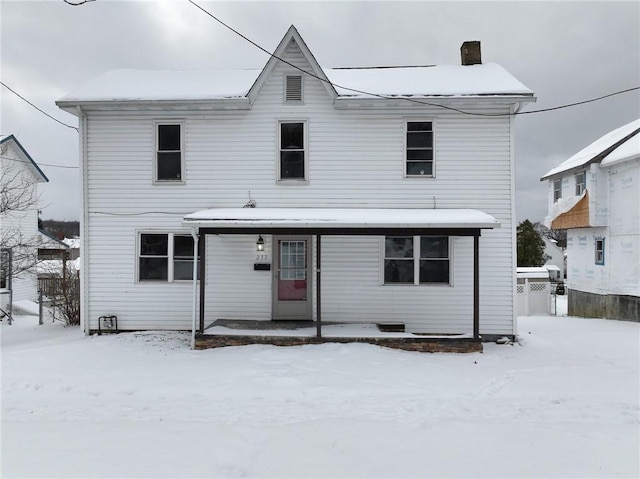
[
  {"x": 595, "y": 196},
  {"x": 19, "y": 179},
  {"x": 365, "y": 195}
]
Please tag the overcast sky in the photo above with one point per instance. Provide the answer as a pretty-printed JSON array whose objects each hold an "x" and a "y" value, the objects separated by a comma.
[{"x": 564, "y": 51}]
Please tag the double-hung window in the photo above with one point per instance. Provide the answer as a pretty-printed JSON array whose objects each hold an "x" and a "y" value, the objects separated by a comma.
[
  {"x": 600, "y": 251},
  {"x": 419, "y": 149},
  {"x": 557, "y": 189},
  {"x": 416, "y": 260},
  {"x": 169, "y": 152},
  {"x": 581, "y": 182},
  {"x": 292, "y": 162},
  {"x": 165, "y": 257}
]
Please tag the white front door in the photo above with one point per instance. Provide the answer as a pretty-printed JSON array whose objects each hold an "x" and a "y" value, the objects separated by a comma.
[{"x": 292, "y": 278}]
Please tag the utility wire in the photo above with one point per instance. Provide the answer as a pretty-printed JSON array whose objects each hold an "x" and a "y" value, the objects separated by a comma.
[
  {"x": 41, "y": 111},
  {"x": 38, "y": 163},
  {"x": 413, "y": 100}
]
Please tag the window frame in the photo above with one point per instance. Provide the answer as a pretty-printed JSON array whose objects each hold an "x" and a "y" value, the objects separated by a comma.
[
  {"x": 557, "y": 191},
  {"x": 405, "y": 159},
  {"x": 286, "y": 100},
  {"x": 417, "y": 259},
  {"x": 156, "y": 142},
  {"x": 582, "y": 185},
  {"x": 305, "y": 150},
  {"x": 599, "y": 252},
  {"x": 171, "y": 257}
]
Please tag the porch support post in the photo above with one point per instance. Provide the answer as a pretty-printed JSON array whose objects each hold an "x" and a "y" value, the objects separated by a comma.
[
  {"x": 202, "y": 250},
  {"x": 318, "y": 287},
  {"x": 476, "y": 286}
]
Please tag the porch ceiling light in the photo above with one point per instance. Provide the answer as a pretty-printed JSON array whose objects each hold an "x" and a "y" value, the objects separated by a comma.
[{"x": 260, "y": 243}]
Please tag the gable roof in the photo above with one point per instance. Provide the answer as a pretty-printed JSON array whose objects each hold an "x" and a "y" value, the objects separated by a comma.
[
  {"x": 292, "y": 35},
  {"x": 39, "y": 173},
  {"x": 240, "y": 86},
  {"x": 618, "y": 145},
  {"x": 51, "y": 237}
]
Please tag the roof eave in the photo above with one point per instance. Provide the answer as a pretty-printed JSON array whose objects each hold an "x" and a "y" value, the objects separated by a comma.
[{"x": 204, "y": 104}]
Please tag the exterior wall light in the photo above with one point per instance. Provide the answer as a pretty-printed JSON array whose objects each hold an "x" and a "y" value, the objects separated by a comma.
[{"x": 260, "y": 243}]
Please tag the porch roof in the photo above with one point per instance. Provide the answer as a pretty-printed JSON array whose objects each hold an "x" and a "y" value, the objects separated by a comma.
[{"x": 339, "y": 220}]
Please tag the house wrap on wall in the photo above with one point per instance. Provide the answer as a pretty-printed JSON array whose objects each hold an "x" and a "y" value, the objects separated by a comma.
[
  {"x": 402, "y": 193},
  {"x": 595, "y": 196}
]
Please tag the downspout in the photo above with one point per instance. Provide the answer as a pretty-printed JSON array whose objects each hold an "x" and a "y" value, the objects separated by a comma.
[
  {"x": 85, "y": 321},
  {"x": 196, "y": 238},
  {"x": 514, "y": 247}
]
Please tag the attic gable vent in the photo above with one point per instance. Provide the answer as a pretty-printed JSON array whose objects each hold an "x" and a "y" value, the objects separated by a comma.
[{"x": 293, "y": 88}]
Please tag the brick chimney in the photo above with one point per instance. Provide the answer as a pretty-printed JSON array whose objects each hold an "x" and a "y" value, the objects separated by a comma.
[{"x": 470, "y": 53}]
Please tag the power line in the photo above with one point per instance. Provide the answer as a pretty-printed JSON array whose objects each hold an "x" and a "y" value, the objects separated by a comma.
[
  {"x": 41, "y": 111},
  {"x": 413, "y": 100},
  {"x": 39, "y": 164}
]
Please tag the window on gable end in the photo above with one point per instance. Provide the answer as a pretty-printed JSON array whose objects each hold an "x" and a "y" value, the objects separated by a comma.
[{"x": 293, "y": 89}]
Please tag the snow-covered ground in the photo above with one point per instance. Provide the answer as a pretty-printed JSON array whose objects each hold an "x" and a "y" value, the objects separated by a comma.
[{"x": 564, "y": 402}]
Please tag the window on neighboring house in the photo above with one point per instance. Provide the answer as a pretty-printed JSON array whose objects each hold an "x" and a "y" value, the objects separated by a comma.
[
  {"x": 292, "y": 151},
  {"x": 416, "y": 259},
  {"x": 166, "y": 257},
  {"x": 5, "y": 258},
  {"x": 600, "y": 251},
  {"x": 293, "y": 89},
  {"x": 169, "y": 152},
  {"x": 419, "y": 148},
  {"x": 581, "y": 182},
  {"x": 557, "y": 189}
]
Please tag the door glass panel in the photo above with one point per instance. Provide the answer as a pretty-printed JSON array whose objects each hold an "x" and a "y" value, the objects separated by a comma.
[{"x": 292, "y": 274}]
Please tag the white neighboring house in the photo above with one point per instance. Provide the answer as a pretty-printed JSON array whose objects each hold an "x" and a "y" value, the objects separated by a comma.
[
  {"x": 19, "y": 179},
  {"x": 556, "y": 259},
  {"x": 595, "y": 196},
  {"x": 401, "y": 198}
]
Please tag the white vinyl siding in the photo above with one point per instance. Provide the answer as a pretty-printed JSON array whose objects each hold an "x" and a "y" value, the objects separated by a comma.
[{"x": 356, "y": 157}]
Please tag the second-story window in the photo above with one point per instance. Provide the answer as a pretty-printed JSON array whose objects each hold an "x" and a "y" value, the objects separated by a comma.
[
  {"x": 581, "y": 182},
  {"x": 292, "y": 161},
  {"x": 419, "y": 148},
  {"x": 169, "y": 152},
  {"x": 557, "y": 189}
]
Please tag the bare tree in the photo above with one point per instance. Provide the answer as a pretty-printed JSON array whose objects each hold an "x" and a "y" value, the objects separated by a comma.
[{"x": 18, "y": 205}]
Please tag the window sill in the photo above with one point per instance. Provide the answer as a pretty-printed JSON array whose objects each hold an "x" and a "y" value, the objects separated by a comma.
[
  {"x": 292, "y": 181},
  {"x": 168, "y": 182}
]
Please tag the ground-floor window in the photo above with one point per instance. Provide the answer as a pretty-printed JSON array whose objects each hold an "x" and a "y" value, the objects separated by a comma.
[
  {"x": 416, "y": 260},
  {"x": 600, "y": 251},
  {"x": 165, "y": 257}
]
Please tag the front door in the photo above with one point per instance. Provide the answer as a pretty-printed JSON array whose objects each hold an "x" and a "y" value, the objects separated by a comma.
[{"x": 292, "y": 278}]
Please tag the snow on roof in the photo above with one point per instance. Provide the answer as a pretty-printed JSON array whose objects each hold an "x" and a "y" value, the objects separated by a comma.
[
  {"x": 628, "y": 150},
  {"x": 590, "y": 152},
  {"x": 443, "y": 80},
  {"x": 450, "y": 80},
  {"x": 533, "y": 272},
  {"x": 130, "y": 85},
  {"x": 72, "y": 243},
  {"x": 339, "y": 218}
]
